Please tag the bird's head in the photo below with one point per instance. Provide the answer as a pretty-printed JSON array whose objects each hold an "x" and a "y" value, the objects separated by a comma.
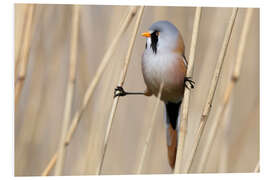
[{"x": 163, "y": 36}]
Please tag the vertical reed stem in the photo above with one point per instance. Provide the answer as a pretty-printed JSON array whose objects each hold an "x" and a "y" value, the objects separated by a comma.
[
  {"x": 91, "y": 87},
  {"x": 227, "y": 94},
  {"x": 23, "y": 58},
  {"x": 70, "y": 88},
  {"x": 121, "y": 82},
  {"x": 184, "y": 113},
  {"x": 212, "y": 90}
]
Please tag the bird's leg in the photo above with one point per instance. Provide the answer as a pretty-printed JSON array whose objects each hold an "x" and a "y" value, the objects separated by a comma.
[
  {"x": 119, "y": 91},
  {"x": 191, "y": 83}
]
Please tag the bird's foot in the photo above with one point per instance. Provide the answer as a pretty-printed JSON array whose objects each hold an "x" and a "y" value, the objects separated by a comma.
[
  {"x": 119, "y": 91},
  {"x": 191, "y": 83}
]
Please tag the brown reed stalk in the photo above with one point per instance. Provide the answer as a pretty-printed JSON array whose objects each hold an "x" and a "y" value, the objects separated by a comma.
[
  {"x": 23, "y": 57},
  {"x": 184, "y": 113},
  {"x": 257, "y": 168},
  {"x": 150, "y": 131},
  {"x": 212, "y": 90},
  {"x": 121, "y": 82},
  {"x": 227, "y": 94},
  {"x": 70, "y": 87},
  {"x": 92, "y": 86}
]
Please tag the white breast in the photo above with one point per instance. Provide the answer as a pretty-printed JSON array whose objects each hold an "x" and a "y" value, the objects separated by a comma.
[{"x": 159, "y": 67}]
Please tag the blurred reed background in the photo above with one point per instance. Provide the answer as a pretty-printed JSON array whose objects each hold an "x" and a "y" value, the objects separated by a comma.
[{"x": 59, "y": 48}]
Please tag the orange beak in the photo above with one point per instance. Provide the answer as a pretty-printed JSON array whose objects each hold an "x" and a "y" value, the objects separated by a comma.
[{"x": 146, "y": 34}]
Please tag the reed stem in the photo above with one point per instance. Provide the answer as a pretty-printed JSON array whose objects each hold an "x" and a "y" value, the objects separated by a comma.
[
  {"x": 227, "y": 94},
  {"x": 184, "y": 114},
  {"x": 70, "y": 88},
  {"x": 23, "y": 58},
  {"x": 121, "y": 82},
  {"x": 87, "y": 96},
  {"x": 212, "y": 90}
]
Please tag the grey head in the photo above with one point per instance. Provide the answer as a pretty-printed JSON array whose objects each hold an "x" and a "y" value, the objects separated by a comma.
[{"x": 164, "y": 37}]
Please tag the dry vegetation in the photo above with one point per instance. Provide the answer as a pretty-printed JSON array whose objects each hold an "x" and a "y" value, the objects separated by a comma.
[{"x": 69, "y": 59}]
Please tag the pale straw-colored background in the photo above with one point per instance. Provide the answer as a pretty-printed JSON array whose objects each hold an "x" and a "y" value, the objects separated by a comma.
[{"x": 39, "y": 111}]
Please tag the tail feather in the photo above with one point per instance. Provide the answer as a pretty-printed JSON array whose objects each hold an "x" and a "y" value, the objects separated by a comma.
[
  {"x": 172, "y": 121},
  {"x": 172, "y": 146}
]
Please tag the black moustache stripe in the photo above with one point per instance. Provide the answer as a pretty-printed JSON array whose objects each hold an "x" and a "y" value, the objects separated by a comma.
[{"x": 154, "y": 41}]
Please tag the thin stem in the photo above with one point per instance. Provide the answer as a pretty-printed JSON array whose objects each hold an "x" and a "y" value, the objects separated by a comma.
[
  {"x": 23, "y": 59},
  {"x": 50, "y": 165},
  {"x": 70, "y": 88},
  {"x": 150, "y": 131},
  {"x": 100, "y": 71},
  {"x": 93, "y": 84},
  {"x": 184, "y": 113},
  {"x": 227, "y": 94},
  {"x": 21, "y": 38},
  {"x": 212, "y": 90},
  {"x": 257, "y": 168},
  {"x": 121, "y": 82}
]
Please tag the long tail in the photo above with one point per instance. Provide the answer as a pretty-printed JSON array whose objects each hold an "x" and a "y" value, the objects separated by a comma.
[{"x": 172, "y": 120}]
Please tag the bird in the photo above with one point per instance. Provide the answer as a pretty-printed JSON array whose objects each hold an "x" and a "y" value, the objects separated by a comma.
[{"x": 164, "y": 62}]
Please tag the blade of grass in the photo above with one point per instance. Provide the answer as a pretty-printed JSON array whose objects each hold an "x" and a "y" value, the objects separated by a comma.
[
  {"x": 184, "y": 113},
  {"x": 227, "y": 94},
  {"x": 121, "y": 82},
  {"x": 212, "y": 90},
  {"x": 70, "y": 88},
  {"x": 91, "y": 87}
]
